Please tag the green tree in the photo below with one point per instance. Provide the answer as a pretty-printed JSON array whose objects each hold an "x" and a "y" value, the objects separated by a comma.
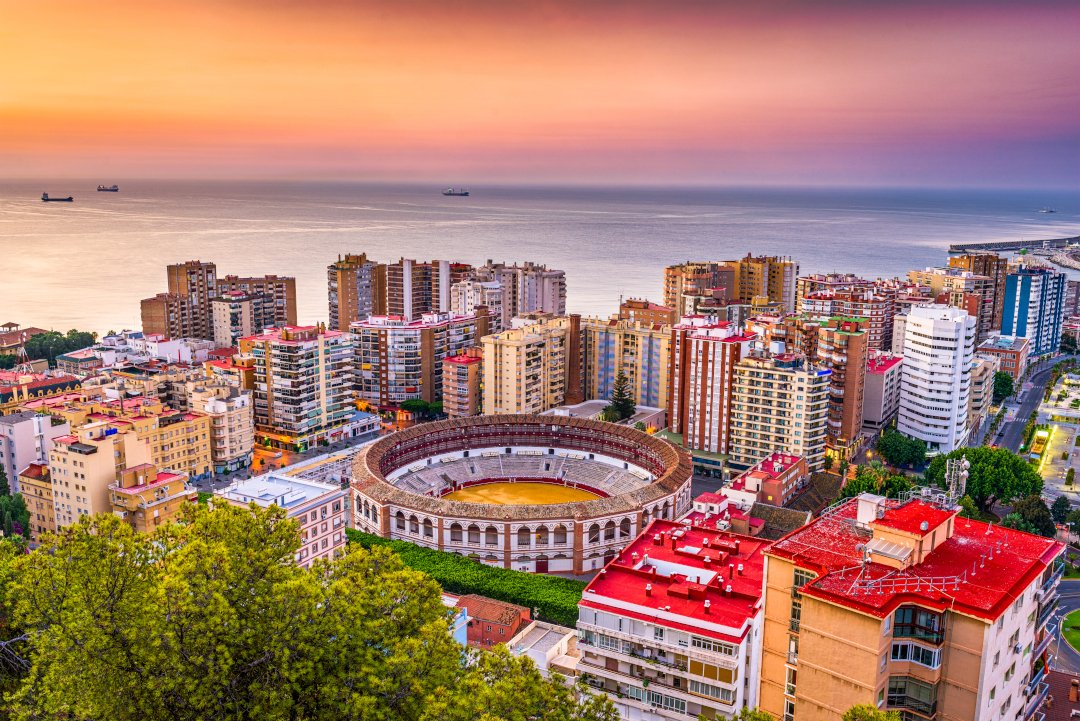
[
  {"x": 900, "y": 450},
  {"x": 417, "y": 406},
  {"x": 996, "y": 475},
  {"x": 211, "y": 618},
  {"x": 1060, "y": 509},
  {"x": 50, "y": 344},
  {"x": 15, "y": 515},
  {"x": 968, "y": 509},
  {"x": 842, "y": 467},
  {"x": 1070, "y": 476},
  {"x": 748, "y": 714},
  {"x": 866, "y": 712},
  {"x": 1003, "y": 386},
  {"x": 875, "y": 478},
  {"x": 621, "y": 403},
  {"x": 8, "y": 361},
  {"x": 5, "y": 487},
  {"x": 498, "y": 685},
  {"x": 827, "y": 462},
  {"x": 1035, "y": 515},
  {"x": 640, "y": 425}
]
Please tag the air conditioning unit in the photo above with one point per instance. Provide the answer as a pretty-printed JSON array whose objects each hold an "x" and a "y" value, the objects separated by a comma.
[{"x": 1017, "y": 648}]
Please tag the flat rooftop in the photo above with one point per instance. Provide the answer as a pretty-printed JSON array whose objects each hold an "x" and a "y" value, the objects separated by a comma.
[
  {"x": 675, "y": 569},
  {"x": 979, "y": 570}
]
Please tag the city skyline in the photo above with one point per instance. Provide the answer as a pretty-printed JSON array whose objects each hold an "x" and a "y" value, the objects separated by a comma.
[{"x": 627, "y": 93}]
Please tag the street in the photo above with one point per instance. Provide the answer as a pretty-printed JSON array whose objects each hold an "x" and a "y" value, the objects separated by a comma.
[
  {"x": 1065, "y": 658},
  {"x": 1012, "y": 433}
]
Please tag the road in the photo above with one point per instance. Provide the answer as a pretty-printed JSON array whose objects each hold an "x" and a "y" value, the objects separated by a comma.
[
  {"x": 1012, "y": 433},
  {"x": 1065, "y": 657}
]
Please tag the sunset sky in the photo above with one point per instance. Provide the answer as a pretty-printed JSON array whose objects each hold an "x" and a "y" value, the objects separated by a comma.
[{"x": 861, "y": 91}]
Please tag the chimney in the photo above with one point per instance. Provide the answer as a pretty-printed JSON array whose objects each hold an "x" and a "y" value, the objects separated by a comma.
[
  {"x": 740, "y": 569},
  {"x": 645, "y": 560},
  {"x": 727, "y": 589},
  {"x": 731, "y": 570},
  {"x": 656, "y": 541},
  {"x": 648, "y": 589},
  {"x": 737, "y": 544},
  {"x": 1074, "y": 690},
  {"x": 707, "y": 604}
]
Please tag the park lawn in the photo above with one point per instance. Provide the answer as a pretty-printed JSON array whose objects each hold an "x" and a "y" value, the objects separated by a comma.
[{"x": 1070, "y": 630}]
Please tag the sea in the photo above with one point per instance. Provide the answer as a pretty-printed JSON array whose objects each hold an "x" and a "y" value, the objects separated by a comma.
[{"x": 87, "y": 264}]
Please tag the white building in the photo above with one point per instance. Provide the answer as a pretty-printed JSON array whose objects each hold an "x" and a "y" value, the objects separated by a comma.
[
  {"x": 672, "y": 627},
  {"x": 939, "y": 348},
  {"x": 25, "y": 438},
  {"x": 467, "y": 295}
]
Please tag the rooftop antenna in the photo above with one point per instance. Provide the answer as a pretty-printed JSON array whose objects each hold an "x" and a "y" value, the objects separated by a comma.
[{"x": 956, "y": 475}]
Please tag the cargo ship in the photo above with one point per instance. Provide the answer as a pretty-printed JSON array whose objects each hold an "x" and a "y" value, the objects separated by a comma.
[
  {"x": 457, "y": 191},
  {"x": 108, "y": 188},
  {"x": 45, "y": 197}
]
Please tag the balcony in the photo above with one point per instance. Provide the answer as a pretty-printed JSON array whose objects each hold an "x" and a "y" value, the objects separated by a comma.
[{"x": 1036, "y": 699}]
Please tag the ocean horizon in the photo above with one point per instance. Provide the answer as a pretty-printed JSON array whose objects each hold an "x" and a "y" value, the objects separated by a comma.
[{"x": 87, "y": 264}]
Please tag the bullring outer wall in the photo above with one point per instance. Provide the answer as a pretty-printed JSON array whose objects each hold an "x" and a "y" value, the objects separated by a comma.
[{"x": 575, "y": 538}]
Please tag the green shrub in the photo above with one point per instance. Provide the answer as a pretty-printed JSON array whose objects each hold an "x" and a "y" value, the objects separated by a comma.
[{"x": 555, "y": 599}]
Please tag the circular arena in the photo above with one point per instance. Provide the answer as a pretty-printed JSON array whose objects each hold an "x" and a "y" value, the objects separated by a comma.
[{"x": 550, "y": 494}]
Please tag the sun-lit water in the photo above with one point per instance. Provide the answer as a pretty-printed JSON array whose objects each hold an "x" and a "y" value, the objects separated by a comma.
[
  {"x": 526, "y": 493},
  {"x": 87, "y": 264}
]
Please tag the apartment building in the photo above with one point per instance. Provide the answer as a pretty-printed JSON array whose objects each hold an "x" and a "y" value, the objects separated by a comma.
[
  {"x": 232, "y": 423},
  {"x": 983, "y": 368},
  {"x": 1034, "y": 308},
  {"x": 962, "y": 289},
  {"x": 815, "y": 283},
  {"x": 994, "y": 267},
  {"x": 321, "y": 510},
  {"x": 279, "y": 293},
  {"x": 302, "y": 385},
  {"x": 877, "y": 308},
  {"x": 236, "y": 314},
  {"x": 396, "y": 359},
  {"x": 1011, "y": 351},
  {"x": 642, "y": 311},
  {"x": 414, "y": 288},
  {"x": 467, "y": 296},
  {"x": 145, "y": 498},
  {"x": 527, "y": 288},
  {"x": 839, "y": 344},
  {"x": 905, "y": 606},
  {"x": 671, "y": 627},
  {"x": 528, "y": 368},
  {"x": 767, "y": 276},
  {"x": 461, "y": 378},
  {"x": 881, "y": 389},
  {"x": 638, "y": 349},
  {"x": 355, "y": 289},
  {"x": 185, "y": 310},
  {"x": 713, "y": 279},
  {"x": 779, "y": 402},
  {"x": 702, "y": 368},
  {"x": 84, "y": 464},
  {"x": 935, "y": 389},
  {"x": 26, "y": 438},
  {"x": 36, "y": 487}
]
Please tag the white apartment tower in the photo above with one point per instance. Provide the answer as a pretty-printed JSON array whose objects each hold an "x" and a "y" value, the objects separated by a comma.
[{"x": 939, "y": 348}]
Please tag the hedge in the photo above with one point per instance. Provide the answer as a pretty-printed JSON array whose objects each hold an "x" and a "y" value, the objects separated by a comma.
[{"x": 554, "y": 598}]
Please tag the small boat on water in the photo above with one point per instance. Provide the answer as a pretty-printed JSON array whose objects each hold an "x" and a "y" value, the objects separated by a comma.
[
  {"x": 456, "y": 191},
  {"x": 1047, "y": 210},
  {"x": 108, "y": 188},
  {"x": 45, "y": 197}
]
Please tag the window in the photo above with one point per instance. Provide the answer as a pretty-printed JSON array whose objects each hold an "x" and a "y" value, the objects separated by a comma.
[
  {"x": 707, "y": 644},
  {"x": 915, "y": 622},
  {"x": 906, "y": 651},
  {"x": 789, "y": 681},
  {"x": 1009, "y": 674},
  {"x": 704, "y": 689},
  {"x": 789, "y": 710},
  {"x": 993, "y": 692},
  {"x": 910, "y": 693},
  {"x": 658, "y": 633}
]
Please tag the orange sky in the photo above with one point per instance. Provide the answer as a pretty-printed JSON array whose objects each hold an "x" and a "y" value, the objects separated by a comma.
[{"x": 546, "y": 90}]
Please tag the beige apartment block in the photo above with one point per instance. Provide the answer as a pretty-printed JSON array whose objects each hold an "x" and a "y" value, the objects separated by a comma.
[
  {"x": 83, "y": 465},
  {"x": 526, "y": 368}
]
